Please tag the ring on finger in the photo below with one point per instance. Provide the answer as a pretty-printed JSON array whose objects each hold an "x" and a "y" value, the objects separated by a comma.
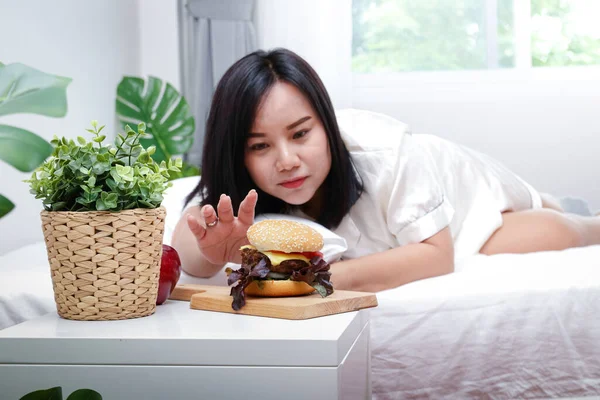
[{"x": 211, "y": 224}]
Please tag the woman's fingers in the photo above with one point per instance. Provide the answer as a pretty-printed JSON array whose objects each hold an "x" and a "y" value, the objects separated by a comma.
[
  {"x": 209, "y": 215},
  {"x": 224, "y": 209},
  {"x": 198, "y": 230},
  {"x": 246, "y": 211}
]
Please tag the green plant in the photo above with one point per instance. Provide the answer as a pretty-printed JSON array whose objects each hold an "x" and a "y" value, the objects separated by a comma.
[
  {"x": 26, "y": 90},
  {"x": 55, "y": 393},
  {"x": 88, "y": 176},
  {"x": 166, "y": 113}
]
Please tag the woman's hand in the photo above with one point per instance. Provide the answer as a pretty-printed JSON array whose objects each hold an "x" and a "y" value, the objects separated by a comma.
[{"x": 223, "y": 234}]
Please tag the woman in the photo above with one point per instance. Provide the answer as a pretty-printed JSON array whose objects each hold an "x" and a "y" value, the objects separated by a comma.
[{"x": 406, "y": 204}]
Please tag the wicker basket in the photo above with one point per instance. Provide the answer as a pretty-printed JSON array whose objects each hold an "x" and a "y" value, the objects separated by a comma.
[{"x": 105, "y": 265}]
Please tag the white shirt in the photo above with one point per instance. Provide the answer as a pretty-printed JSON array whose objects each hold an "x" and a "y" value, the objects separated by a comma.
[{"x": 416, "y": 185}]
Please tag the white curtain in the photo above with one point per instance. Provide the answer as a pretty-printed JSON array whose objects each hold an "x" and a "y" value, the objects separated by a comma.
[
  {"x": 213, "y": 35},
  {"x": 320, "y": 31}
]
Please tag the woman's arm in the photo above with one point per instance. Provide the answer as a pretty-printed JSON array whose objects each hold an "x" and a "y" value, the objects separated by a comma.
[{"x": 395, "y": 267}]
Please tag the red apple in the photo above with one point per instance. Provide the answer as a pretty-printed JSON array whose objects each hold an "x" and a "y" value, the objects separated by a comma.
[{"x": 170, "y": 271}]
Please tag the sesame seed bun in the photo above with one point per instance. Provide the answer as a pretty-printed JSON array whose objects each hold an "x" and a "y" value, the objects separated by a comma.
[
  {"x": 272, "y": 288},
  {"x": 284, "y": 235}
]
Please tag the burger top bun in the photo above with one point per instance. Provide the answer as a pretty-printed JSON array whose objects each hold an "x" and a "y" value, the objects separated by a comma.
[
  {"x": 271, "y": 288},
  {"x": 284, "y": 235}
]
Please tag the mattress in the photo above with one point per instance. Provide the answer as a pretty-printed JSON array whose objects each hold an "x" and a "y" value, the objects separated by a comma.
[{"x": 501, "y": 327}]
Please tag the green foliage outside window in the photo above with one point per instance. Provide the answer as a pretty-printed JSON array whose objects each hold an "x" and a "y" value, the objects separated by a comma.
[
  {"x": 565, "y": 33},
  {"x": 417, "y": 35}
]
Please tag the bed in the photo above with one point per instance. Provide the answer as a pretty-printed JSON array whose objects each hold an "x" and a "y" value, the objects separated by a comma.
[{"x": 500, "y": 327}]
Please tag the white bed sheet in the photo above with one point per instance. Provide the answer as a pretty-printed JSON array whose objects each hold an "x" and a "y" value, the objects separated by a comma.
[{"x": 504, "y": 326}]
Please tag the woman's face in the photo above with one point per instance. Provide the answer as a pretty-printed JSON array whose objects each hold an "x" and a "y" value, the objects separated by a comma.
[{"x": 287, "y": 152}]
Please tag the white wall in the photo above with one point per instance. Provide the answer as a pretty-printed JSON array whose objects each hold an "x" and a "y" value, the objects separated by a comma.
[
  {"x": 93, "y": 42},
  {"x": 316, "y": 30},
  {"x": 542, "y": 124}
]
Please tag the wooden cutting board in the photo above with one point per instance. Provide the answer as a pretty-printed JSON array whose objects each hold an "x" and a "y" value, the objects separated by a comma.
[{"x": 217, "y": 298}]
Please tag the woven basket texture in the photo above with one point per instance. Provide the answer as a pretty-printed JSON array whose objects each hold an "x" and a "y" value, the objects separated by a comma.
[{"x": 104, "y": 265}]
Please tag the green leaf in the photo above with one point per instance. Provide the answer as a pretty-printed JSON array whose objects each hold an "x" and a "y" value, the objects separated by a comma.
[
  {"x": 100, "y": 206},
  {"x": 85, "y": 394},
  {"x": 59, "y": 206},
  {"x": 22, "y": 149},
  {"x": 126, "y": 173},
  {"x": 27, "y": 90},
  {"x": 81, "y": 140},
  {"x": 144, "y": 158},
  {"x": 168, "y": 117},
  {"x": 185, "y": 171},
  {"x": 5, "y": 206},
  {"x": 145, "y": 191},
  {"x": 100, "y": 167},
  {"x": 111, "y": 184},
  {"x": 109, "y": 200},
  {"x": 320, "y": 288},
  {"x": 54, "y": 393},
  {"x": 147, "y": 204}
]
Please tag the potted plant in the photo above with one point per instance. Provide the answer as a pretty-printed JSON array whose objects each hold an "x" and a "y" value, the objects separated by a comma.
[
  {"x": 103, "y": 224},
  {"x": 27, "y": 90}
]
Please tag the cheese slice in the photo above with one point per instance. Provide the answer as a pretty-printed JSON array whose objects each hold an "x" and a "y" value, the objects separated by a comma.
[{"x": 278, "y": 258}]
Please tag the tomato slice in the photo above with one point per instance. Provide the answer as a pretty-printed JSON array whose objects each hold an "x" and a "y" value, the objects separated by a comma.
[{"x": 309, "y": 254}]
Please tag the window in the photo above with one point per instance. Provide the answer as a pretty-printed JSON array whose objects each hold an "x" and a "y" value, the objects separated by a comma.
[{"x": 448, "y": 35}]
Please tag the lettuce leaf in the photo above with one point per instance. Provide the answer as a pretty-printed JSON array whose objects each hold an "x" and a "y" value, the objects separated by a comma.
[
  {"x": 244, "y": 276},
  {"x": 316, "y": 274}
]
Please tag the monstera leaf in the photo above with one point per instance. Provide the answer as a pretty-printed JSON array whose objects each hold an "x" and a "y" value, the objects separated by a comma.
[
  {"x": 27, "y": 90},
  {"x": 22, "y": 149},
  {"x": 166, "y": 113}
]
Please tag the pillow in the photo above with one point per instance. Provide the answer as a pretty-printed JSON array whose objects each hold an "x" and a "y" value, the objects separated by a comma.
[{"x": 334, "y": 245}]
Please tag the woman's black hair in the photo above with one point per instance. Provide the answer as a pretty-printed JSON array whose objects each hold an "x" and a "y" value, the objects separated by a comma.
[{"x": 232, "y": 112}]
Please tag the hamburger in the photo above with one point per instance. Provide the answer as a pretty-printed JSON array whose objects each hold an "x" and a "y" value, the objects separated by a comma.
[{"x": 283, "y": 259}]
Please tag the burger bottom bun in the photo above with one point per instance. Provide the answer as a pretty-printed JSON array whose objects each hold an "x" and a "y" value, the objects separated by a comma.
[{"x": 275, "y": 288}]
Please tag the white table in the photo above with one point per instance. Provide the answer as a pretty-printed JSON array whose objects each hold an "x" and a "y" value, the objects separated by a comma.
[{"x": 179, "y": 353}]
